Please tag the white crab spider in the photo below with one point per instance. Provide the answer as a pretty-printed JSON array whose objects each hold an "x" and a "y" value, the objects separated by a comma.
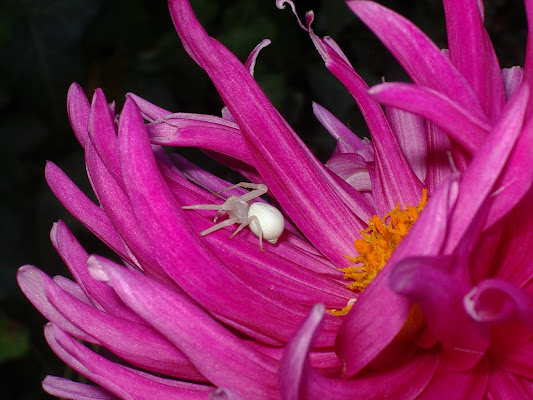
[{"x": 264, "y": 220}]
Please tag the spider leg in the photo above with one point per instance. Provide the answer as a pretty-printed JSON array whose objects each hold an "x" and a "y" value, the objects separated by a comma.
[
  {"x": 240, "y": 228},
  {"x": 204, "y": 207},
  {"x": 228, "y": 222},
  {"x": 219, "y": 213},
  {"x": 255, "y": 220},
  {"x": 258, "y": 190}
]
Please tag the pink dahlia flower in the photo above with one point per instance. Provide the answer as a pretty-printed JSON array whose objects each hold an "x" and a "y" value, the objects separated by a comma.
[{"x": 437, "y": 308}]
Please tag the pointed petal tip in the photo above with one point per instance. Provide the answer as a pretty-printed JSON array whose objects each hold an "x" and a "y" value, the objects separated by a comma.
[
  {"x": 74, "y": 90},
  {"x": 24, "y": 272}
]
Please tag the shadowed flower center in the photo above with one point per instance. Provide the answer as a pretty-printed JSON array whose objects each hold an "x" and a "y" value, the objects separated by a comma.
[{"x": 376, "y": 246}]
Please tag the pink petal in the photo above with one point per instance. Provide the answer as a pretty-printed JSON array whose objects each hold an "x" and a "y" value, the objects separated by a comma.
[
  {"x": 438, "y": 164},
  {"x": 124, "y": 382},
  {"x": 75, "y": 257},
  {"x": 136, "y": 343},
  {"x": 448, "y": 384},
  {"x": 179, "y": 130},
  {"x": 471, "y": 52},
  {"x": 82, "y": 208},
  {"x": 454, "y": 119},
  {"x": 65, "y": 389},
  {"x": 410, "y": 130},
  {"x": 504, "y": 385},
  {"x": 516, "y": 178},
  {"x": 512, "y": 78},
  {"x": 518, "y": 361},
  {"x": 422, "y": 60},
  {"x": 486, "y": 166},
  {"x": 196, "y": 130},
  {"x": 393, "y": 180},
  {"x": 515, "y": 265},
  {"x": 71, "y": 288},
  {"x": 223, "y": 394},
  {"x": 103, "y": 134},
  {"x": 30, "y": 280},
  {"x": 353, "y": 169},
  {"x": 78, "y": 112},
  {"x": 118, "y": 209},
  {"x": 528, "y": 68},
  {"x": 342, "y": 133},
  {"x": 219, "y": 355}
]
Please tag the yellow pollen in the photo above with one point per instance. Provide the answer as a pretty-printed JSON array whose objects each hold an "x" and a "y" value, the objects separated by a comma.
[{"x": 376, "y": 246}]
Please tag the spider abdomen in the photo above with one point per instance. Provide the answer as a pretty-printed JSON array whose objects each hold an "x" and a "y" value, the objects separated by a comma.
[{"x": 270, "y": 219}]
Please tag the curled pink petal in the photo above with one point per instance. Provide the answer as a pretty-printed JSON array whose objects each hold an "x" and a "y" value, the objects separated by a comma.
[{"x": 495, "y": 300}]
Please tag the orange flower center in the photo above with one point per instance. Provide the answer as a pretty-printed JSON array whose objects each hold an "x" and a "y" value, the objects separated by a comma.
[{"x": 376, "y": 246}]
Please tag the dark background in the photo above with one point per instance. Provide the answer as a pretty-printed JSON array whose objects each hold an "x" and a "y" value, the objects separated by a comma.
[{"x": 130, "y": 45}]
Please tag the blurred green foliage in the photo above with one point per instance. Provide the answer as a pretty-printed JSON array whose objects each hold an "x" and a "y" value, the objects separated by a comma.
[
  {"x": 130, "y": 45},
  {"x": 14, "y": 340}
]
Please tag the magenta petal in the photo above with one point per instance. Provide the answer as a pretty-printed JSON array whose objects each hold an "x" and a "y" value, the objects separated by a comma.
[
  {"x": 496, "y": 300},
  {"x": 426, "y": 281},
  {"x": 32, "y": 281},
  {"x": 65, "y": 389},
  {"x": 136, "y": 343},
  {"x": 295, "y": 361},
  {"x": 518, "y": 361},
  {"x": 512, "y": 78},
  {"x": 406, "y": 42},
  {"x": 298, "y": 380},
  {"x": 180, "y": 130},
  {"x": 486, "y": 166},
  {"x": 78, "y": 112},
  {"x": 353, "y": 169},
  {"x": 448, "y": 384},
  {"x": 124, "y": 382},
  {"x": 72, "y": 288},
  {"x": 342, "y": 133},
  {"x": 75, "y": 257},
  {"x": 528, "y": 68},
  {"x": 505, "y": 385},
  {"x": 299, "y": 182},
  {"x": 118, "y": 209},
  {"x": 410, "y": 129},
  {"x": 223, "y": 358},
  {"x": 438, "y": 164},
  {"x": 196, "y": 130},
  {"x": 103, "y": 134},
  {"x": 82, "y": 208},
  {"x": 471, "y": 52},
  {"x": 516, "y": 266},
  {"x": 516, "y": 178},
  {"x": 393, "y": 180},
  {"x": 454, "y": 119},
  {"x": 223, "y": 394}
]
